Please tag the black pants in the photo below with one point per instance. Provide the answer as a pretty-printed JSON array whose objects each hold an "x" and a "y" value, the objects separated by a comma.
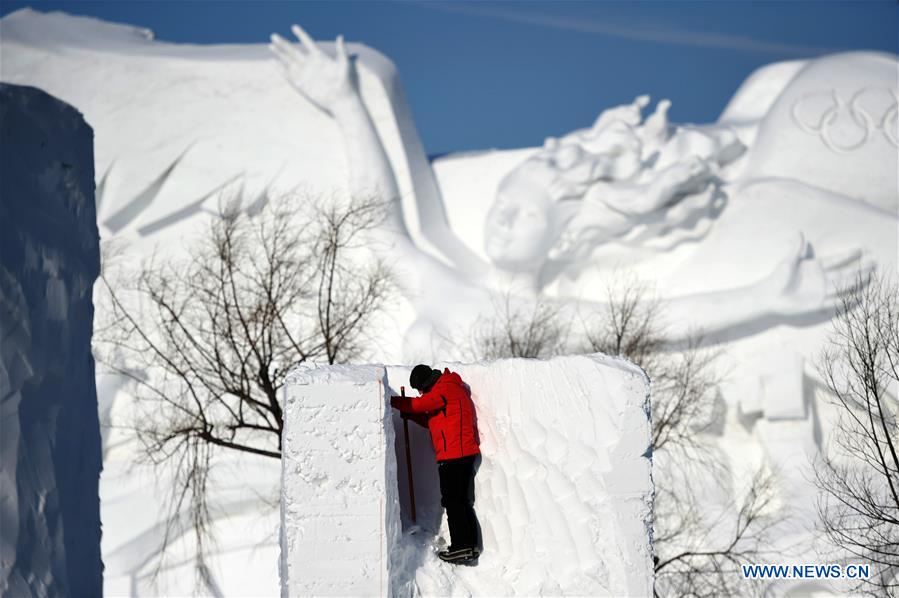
[{"x": 457, "y": 497}]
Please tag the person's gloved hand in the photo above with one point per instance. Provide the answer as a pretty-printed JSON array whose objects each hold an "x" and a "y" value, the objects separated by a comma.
[{"x": 395, "y": 402}]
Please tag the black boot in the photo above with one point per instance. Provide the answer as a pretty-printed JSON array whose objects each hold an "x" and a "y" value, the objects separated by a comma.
[{"x": 458, "y": 555}]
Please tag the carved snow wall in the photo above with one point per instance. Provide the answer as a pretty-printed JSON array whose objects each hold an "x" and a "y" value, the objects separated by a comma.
[
  {"x": 338, "y": 504},
  {"x": 49, "y": 428},
  {"x": 563, "y": 491}
]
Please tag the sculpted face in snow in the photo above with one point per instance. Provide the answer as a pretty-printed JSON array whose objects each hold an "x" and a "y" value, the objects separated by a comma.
[
  {"x": 521, "y": 225},
  {"x": 623, "y": 179}
]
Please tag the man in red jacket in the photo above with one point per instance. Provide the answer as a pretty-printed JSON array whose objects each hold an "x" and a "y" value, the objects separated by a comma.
[{"x": 446, "y": 403}]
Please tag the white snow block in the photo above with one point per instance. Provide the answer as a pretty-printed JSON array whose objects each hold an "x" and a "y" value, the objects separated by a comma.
[
  {"x": 49, "y": 427},
  {"x": 563, "y": 491},
  {"x": 338, "y": 483},
  {"x": 770, "y": 383},
  {"x": 783, "y": 380}
]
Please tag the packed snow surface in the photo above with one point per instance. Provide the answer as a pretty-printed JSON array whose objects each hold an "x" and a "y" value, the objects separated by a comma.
[
  {"x": 49, "y": 431},
  {"x": 563, "y": 492},
  {"x": 337, "y": 483}
]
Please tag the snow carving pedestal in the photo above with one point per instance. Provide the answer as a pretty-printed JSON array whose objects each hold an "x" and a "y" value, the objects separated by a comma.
[{"x": 563, "y": 493}]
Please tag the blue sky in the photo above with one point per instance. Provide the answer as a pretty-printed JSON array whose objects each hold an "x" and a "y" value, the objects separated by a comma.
[{"x": 508, "y": 74}]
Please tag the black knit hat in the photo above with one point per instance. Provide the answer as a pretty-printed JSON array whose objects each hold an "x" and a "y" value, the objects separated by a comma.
[{"x": 423, "y": 377}]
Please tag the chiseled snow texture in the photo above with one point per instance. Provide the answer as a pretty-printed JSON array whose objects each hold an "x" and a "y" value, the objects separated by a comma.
[
  {"x": 336, "y": 492},
  {"x": 49, "y": 432},
  {"x": 563, "y": 493}
]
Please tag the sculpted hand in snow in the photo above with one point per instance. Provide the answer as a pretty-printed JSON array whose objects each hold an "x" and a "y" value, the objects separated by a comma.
[
  {"x": 801, "y": 283},
  {"x": 323, "y": 80},
  {"x": 332, "y": 85}
]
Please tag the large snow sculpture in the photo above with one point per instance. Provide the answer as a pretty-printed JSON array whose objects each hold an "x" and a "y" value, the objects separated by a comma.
[
  {"x": 49, "y": 432},
  {"x": 563, "y": 496},
  {"x": 624, "y": 189}
]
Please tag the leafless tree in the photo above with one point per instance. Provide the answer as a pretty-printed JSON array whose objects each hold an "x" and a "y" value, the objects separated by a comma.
[
  {"x": 684, "y": 377},
  {"x": 349, "y": 296},
  {"x": 700, "y": 555},
  {"x": 208, "y": 341},
  {"x": 697, "y": 555},
  {"x": 631, "y": 325},
  {"x": 859, "y": 473},
  {"x": 517, "y": 328}
]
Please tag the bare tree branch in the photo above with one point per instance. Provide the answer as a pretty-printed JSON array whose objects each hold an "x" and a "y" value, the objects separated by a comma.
[
  {"x": 517, "y": 328},
  {"x": 698, "y": 555},
  {"x": 858, "y": 476},
  {"x": 208, "y": 341}
]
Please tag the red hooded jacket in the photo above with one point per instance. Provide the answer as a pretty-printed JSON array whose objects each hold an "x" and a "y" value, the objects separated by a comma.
[{"x": 451, "y": 416}]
